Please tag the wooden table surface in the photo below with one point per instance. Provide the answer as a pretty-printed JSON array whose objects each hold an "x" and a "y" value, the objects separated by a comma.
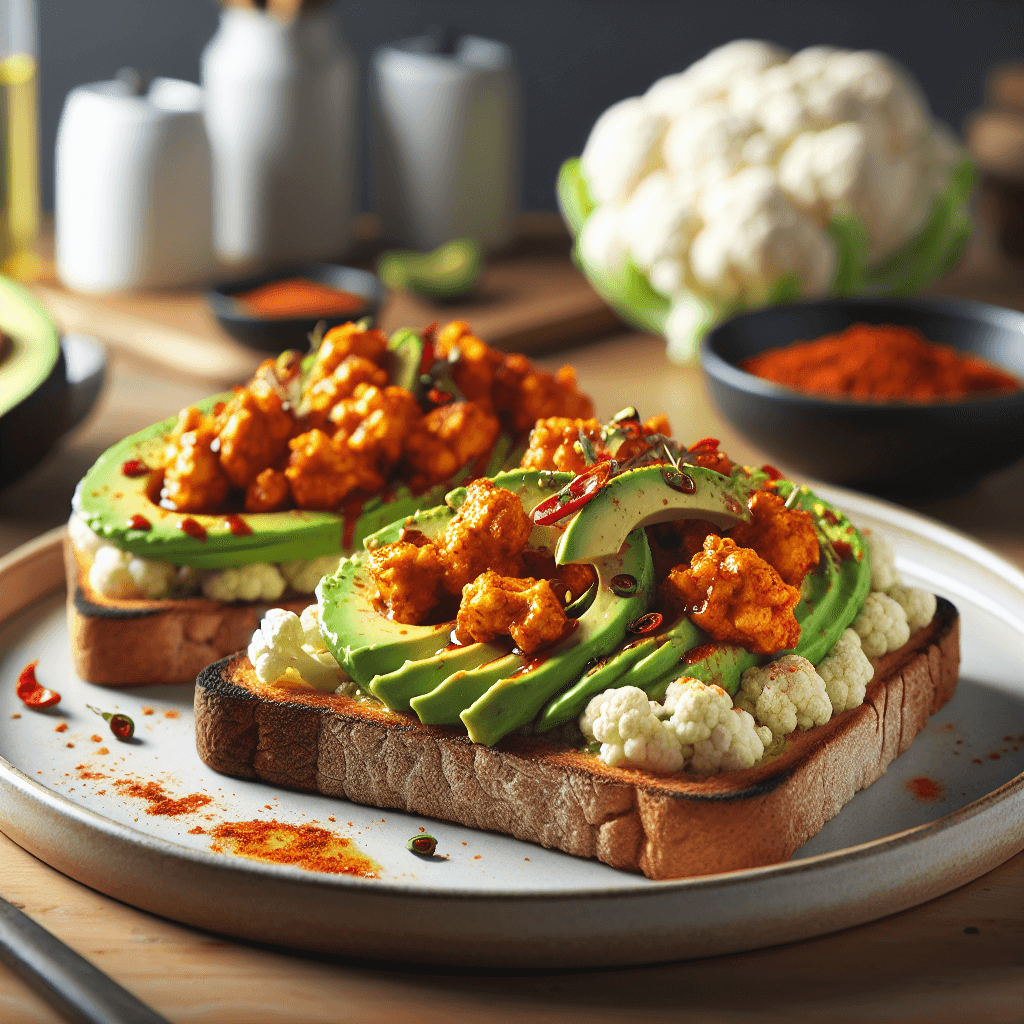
[{"x": 957, "y": 957}]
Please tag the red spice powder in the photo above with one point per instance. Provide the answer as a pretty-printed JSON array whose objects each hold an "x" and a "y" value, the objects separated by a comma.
[
  {"x": 170, "y": 714},
  {"x": 96, "y": 738},
  {"x": 298, "y": 296},
  {"x": 925, "y": 789},
  {"x": 304, "y": 846},
  {"x": 146, "y": 710},
  {"x": 879, "y": 361},
  {"x": 159, "y": 801},
  {"x": 63, "y": 727}
]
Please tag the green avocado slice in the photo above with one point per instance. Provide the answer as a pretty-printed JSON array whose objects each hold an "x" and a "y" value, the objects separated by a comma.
[
  {"x": 35, "y": 345},
  {"x": 107, "y": 500},
  {"x": 643, "y": 497}
]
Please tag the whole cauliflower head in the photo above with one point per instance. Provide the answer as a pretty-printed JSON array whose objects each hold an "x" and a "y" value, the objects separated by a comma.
[
  {"x": 882, "y": 625},
  {"x": 628, "y": 727},
  {"x": 722, "y": 185},
  {"x": 715, "y": 736},
  {"x": 846, "y": 672},
  {"x": 784, "y": 695}
]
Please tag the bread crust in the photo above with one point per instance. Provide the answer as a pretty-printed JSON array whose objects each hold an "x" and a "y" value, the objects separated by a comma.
[
  {"x": 142, "y": 643},
  {"x": 534, "y": 789}
]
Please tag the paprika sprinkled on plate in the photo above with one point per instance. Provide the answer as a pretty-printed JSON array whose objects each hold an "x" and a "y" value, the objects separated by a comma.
[
  {"x": 926, "y": 790},
  {"x": 160, "y": 802}
]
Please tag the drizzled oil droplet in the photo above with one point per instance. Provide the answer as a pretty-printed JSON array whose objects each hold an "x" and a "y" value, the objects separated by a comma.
[
  {"x": 646, "y": 623},
  {"x": 678, "y": 481},
  {"x": 624, "y": 585}
]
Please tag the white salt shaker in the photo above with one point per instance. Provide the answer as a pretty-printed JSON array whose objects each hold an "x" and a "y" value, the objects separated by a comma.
[
  {"x": 132, "y": 195},
  {"x": 446, "y": 146},
  {"x": 281, "y": 118}
]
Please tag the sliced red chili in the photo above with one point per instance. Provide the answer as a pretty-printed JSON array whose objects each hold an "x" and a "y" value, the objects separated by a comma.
[
  {"x": 122, "y": 727},
  {"x": 192, "y": 528},
  {"x": 773, "y": 473},
  {"x": 30, "y": 691},
  {"x": 574, "y": 495},
  {"x": 138, "y": 522},
  {"x": 134, "y": 467},
  {"x": 238, "y": 526},
  {"x": 705, "y": 443},
  {"x": 424, "y": 844}
]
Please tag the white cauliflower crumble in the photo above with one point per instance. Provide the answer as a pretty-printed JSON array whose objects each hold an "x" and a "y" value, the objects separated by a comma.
[
  {"x": 257, "y": 582},
  {"x": 82, "y": 537},
  {"x": 882, "y": 559},
  {"x": 846, "y": 672},
  {"x": 304, "y": 575},
  {"x": 628, "y": 727},
  {"x": 919, "y": 604},
  {"x": 715, "y": 736},
  {"x": 287, "y": 645},
  {"x": 785, "y": 695},
  {"x": 881, "y": 625}
]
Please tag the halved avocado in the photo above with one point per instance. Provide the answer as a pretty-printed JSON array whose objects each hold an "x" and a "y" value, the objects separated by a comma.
[
  {"x": 490, "y": 689},
  {"x": 449, "y": 271},
  {"x": 107, "y": 500}
]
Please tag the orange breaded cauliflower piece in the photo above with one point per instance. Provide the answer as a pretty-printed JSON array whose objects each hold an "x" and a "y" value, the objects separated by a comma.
[
  {"x": 343, "y": 341},
  {"x": 476, "y": 363},
  {"x": 407, "y": 578},
  {"x": 576, "y": 577},
  {"x": 783, "y": 537},
  {"x": 735, "y": 596},
  {"x": 657, "y": 425},
  {"x": 489, "y": 531},
  {"x": 447, "y": 438},
  {"x": 321, "y": 474},
  {"x": 375, "y": 422},
  {"x": 253, "y": 430},
  {"x": 342, "y": 383},
  {"x": 269, "y": 492},
  {"x": 525, "y": 609},
  {"x": 193, "y": 479},
  {"x": 552, "y": 444},
  {"x": 527, "y": 394}
]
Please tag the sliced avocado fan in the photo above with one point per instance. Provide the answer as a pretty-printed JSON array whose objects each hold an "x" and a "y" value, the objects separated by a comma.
[{"x": 450, "y": 271}]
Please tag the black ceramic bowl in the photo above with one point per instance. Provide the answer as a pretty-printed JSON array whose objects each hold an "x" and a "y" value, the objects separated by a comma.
[
  {"x": 280, "y": 333},
  {"x": 902, "y": 450}
]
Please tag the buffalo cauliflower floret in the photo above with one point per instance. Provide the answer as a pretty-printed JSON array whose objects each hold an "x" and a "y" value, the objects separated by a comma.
[
  {"x": 919, "y": 604},
  {"x": 846, "y": 672},
  {"x": 631, "y": 734},
  {"x": 286, "y": 644},
  {"x": 882, "y": 559},
  {"x": 714, "y": 735},
  {"x": 257, "y": 582},
  {"x": 553, "y": 444},
  {"x": 785, "y": 694},
  {"x": 525, "y": 609},
  {"x": 783, "y": 537},
  {"x": 407, "y": 578},
  {"x": 881, "y": 625},
  {"x": 304, "y": 575}
]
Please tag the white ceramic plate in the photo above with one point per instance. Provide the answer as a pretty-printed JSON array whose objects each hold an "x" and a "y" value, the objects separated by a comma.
[{"x": 488, "y": 899}]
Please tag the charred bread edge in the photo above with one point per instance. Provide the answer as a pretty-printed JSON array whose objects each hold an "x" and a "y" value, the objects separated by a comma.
[
  {"x": 539, "y": 792},
  {"x": 146, "y": 642}
]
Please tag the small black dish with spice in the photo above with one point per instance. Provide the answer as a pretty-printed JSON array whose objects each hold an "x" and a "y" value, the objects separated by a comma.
[
  {"x": 901, "y": 449},
  {"x": 277, "y": 311}
]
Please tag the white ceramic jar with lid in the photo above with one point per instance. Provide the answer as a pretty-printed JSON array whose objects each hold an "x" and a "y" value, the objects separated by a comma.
[
  {"x": 132, "y": 195},
  {"x": 281, "y": 119}
]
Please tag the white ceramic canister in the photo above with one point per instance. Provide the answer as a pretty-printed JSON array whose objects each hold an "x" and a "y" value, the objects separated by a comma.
[
  {"x": 281, "y": 118},
  {"x": 132, "y": 194},
  {"x": 446, "y": 145}
]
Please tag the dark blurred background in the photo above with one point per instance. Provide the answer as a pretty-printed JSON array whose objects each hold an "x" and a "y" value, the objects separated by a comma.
[{"x": 575, "y": 58}]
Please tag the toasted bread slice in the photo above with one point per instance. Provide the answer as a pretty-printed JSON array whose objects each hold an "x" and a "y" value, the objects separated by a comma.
[
  {"x": 543, "y": 792},
  {"x": 139, "y": 643}
]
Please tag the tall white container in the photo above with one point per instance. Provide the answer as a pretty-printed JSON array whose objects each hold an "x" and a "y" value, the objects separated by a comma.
[
  {"x": 281, "y": 118},
  {"x": 446, "y": 147},
  {"x": 132, "y": 196}
]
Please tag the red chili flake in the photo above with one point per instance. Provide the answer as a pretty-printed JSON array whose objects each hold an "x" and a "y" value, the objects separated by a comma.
[
  {"x": 192, "y": 528},
  {"x": 138, "y": 522},
  {"x": 771, "y": 471},
  {"x": 31, "y": 692},
  {"x": 146, "y": 709},
  {"x": 134, "y": 467},
  {"x": 925, "y": 789},
  {"x": 96, "y": 738},
  {"x": 705, "y": 444},
  {"x": 238, "y": 526},
  {"x": 63, "y": 727},
  {"x": 842, "y": 549}
]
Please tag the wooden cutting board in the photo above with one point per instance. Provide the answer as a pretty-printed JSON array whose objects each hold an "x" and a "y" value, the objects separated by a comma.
[{"x": 530, "y": 299}]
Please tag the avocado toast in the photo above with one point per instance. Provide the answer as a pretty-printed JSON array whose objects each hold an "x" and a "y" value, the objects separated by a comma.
[
  {"x": 738, "y": 663},
  {"x": 185, "y": 533}
]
